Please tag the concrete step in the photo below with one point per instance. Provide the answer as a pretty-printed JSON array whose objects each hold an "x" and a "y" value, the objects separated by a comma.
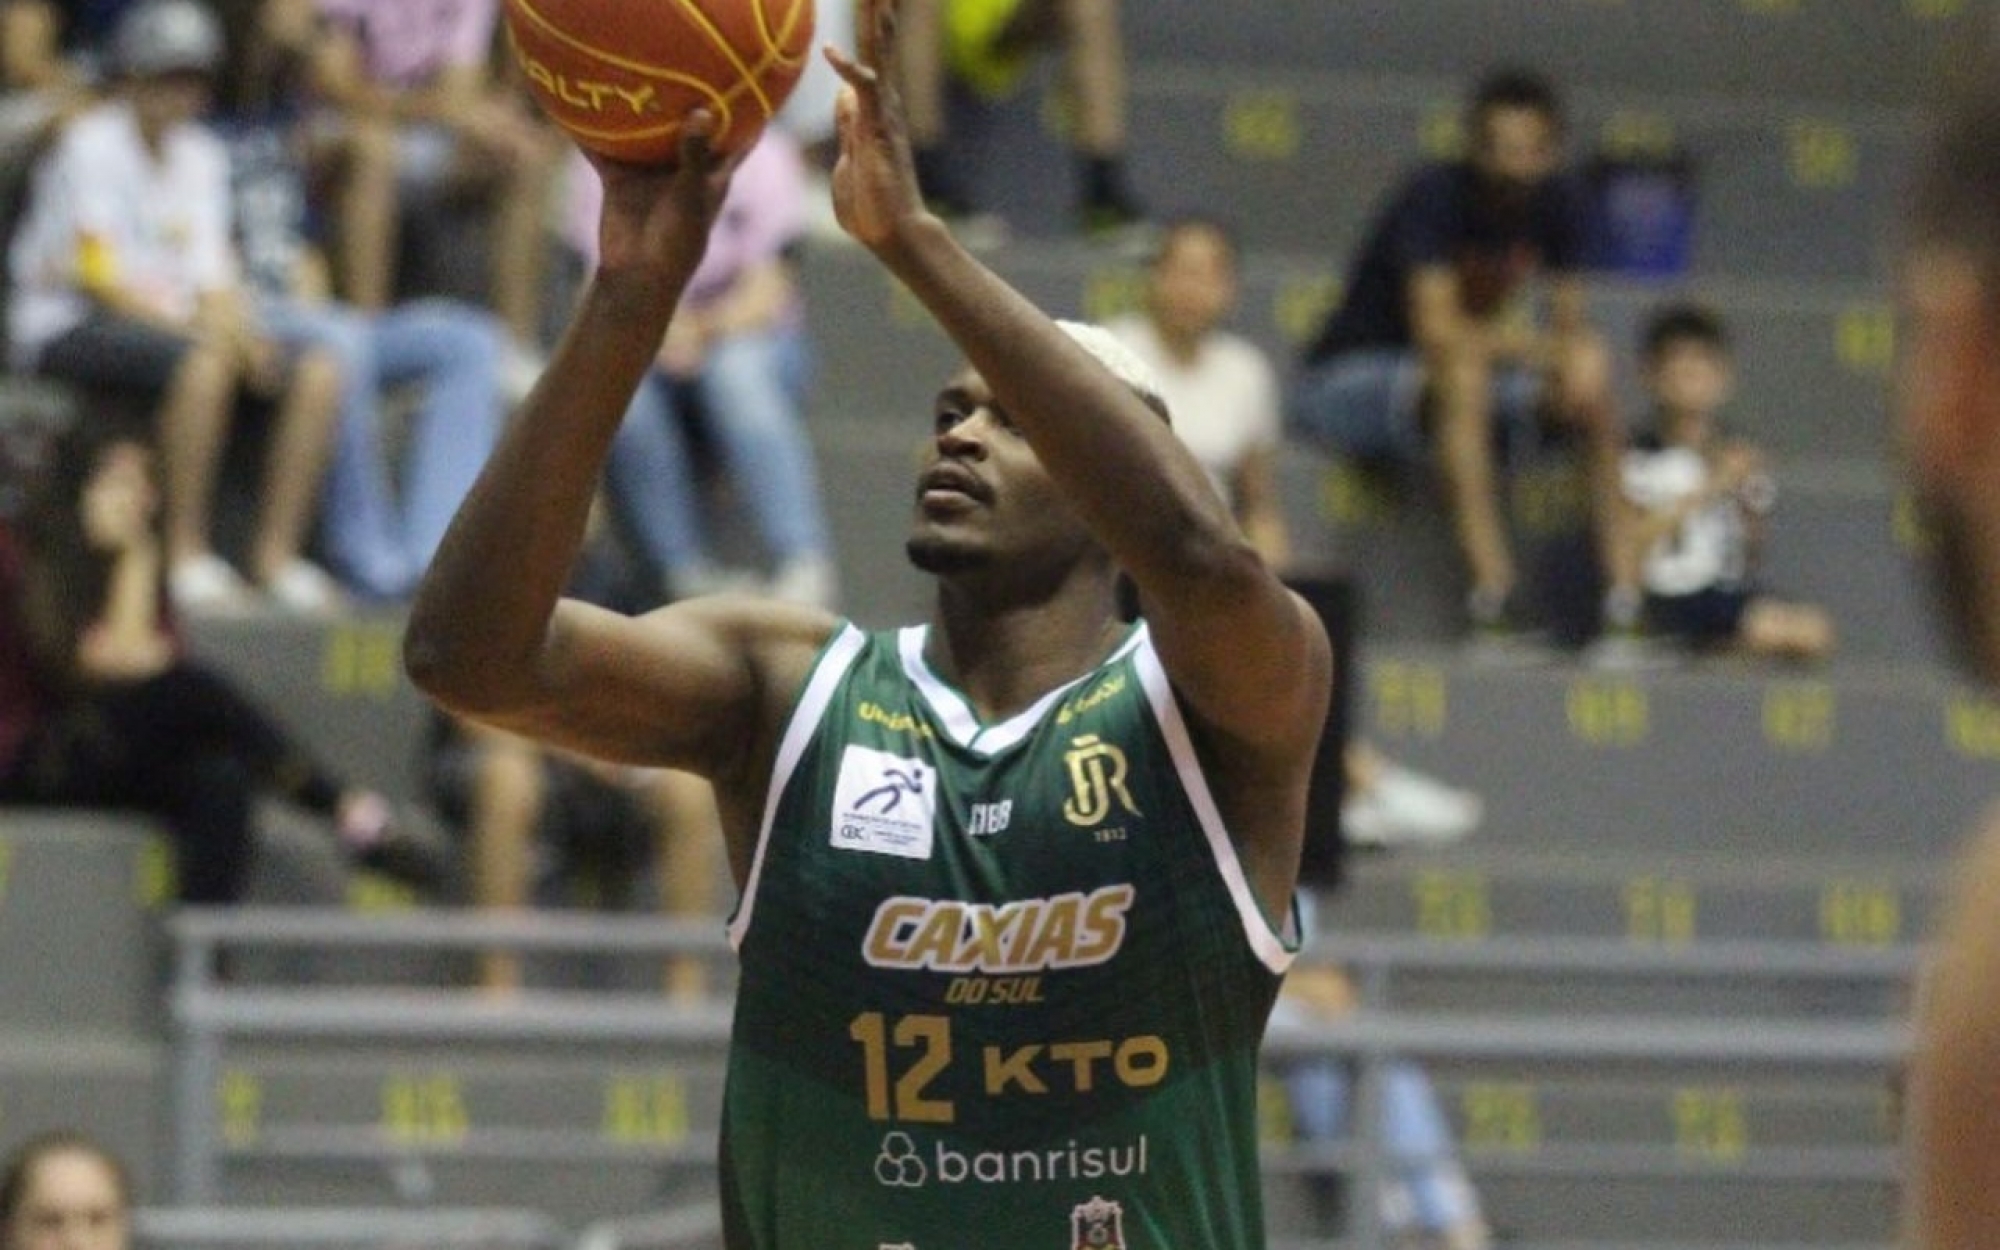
[
  {"x": 113, "y": 1087},
  {"x": 578, "y": 1133},
  {"x": 1813, "y": 357},
  {"x": 338, "y": 684},
  {"x": 1883, "y": 51},
  {"x": 1784, "y": 189},
  {"x": 80, "y": 943},
  {"x": 1858, "y": 762},
  {"x": 1648, "y": 896}
]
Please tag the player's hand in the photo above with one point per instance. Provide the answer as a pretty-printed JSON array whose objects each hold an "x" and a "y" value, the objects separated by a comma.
[
  {"x": 874, "y": 182},
  {"x": 656, "y": 218}
]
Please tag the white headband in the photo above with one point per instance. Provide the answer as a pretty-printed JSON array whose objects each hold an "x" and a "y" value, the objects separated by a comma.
[{"x": 1118, "y": 358}]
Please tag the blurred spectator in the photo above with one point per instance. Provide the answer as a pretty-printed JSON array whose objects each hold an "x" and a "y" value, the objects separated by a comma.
[
  {"x": 1434, "y": 346},
  {"x": 100, "y": 705},
  {"x": 737, "y": 354},
  {"x": 1698, "y": 500},
  {"x": 125, "y": 282},
  {"x": 42, "y": 83},
  {"x": 63, "y": 1191},
  {"x": 378, "y": 534},
  {"x": 1223, "y": 393},
  {"x": 989, "y": 46},
  {"x": 1426, "y": 1199},
  {"x": 425, "y": 68},
  {"x": 540, "y": 823}
]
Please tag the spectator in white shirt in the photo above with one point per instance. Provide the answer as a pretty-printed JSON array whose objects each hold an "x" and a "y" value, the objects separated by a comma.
[{"x": 125, "y": 283}]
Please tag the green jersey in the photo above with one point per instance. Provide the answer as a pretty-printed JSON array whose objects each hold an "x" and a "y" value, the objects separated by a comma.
[{"x": 1003, "y": 985}]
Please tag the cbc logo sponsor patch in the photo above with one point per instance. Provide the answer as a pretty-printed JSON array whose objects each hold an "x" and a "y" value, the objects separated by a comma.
[{"x": 884, "y": 804}]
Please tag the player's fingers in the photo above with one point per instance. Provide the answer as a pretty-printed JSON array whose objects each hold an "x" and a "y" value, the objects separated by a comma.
[
  {"x": 887, "y": 53},
  {"x": 860, "y": 77},
  {"x": 864, "y": 30},
  {"x": 697, "y": 141}
]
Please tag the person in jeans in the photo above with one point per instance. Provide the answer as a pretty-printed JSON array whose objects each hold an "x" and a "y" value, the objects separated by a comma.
[
  {"x": 125, "y": 283},
  {"x": 378, "y": 533},
  {"x": 738, "y": 351},
  {"x": 1433, "y": 350}
]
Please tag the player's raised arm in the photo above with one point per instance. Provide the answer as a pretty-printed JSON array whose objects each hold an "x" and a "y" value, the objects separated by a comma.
[
  {"x": 489, "y": 635},
  {"x": 1245, "y": 653}
]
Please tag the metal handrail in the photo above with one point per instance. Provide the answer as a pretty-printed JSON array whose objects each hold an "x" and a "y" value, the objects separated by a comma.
[
  {"x": 360, "y": 1227},
  {"x": 210, "y": 1014}
]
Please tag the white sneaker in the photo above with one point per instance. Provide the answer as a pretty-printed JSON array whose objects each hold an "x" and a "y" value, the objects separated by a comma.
[
  {"x": 305, "y": 589},
  {"x": 808, "y": 580},
  {"x": 1408, "y": 808},
  {"x": 206, "y": 585}
]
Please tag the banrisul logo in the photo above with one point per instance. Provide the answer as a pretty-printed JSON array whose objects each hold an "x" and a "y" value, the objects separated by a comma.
[
  {"x": 903, "y": 1162},
  {"x": 884, "y": 804}
]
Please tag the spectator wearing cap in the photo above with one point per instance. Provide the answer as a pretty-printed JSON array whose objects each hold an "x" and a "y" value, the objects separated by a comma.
[{"x": 125, "y": 284}]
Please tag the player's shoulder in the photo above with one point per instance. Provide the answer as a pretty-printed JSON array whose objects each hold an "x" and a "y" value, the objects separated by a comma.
[{"x": 782, "y": 641}]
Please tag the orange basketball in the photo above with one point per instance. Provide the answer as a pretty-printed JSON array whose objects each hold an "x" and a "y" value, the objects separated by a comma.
[{"x": 619, "y": 75}]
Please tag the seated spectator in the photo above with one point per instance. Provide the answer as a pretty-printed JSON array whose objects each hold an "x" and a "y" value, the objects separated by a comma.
[
  {"x": 989, "y": 45},
  {"x": 1432, "y": 350},
  {"x": 544, "y": 827},
  {"x": 1426, "y": 1199},
  {"x": 100, "y": 704},
  {"x": 737, "y": 350},
  {"x": 541, "y": 824},
  {"x": 377, "y": 534},
  {"x": 424, "y": 69},
  {"x": 42, "y": 83},
  {"x": 1698, "y": 500},
  {"x": 63, "y": 1191},
  {"x": 125, "y": 282},
  {"x": 1223, "y": 393}
]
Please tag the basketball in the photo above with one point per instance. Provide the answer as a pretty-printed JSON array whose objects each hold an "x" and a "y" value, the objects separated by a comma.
[{"x": 619, "y": 75}]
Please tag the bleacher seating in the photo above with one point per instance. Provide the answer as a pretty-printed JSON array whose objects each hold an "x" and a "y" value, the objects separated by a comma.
[{"x": 1637, "y": 826}]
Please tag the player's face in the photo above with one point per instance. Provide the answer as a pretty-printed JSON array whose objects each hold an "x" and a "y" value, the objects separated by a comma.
[
  {"x": 1516, "y": 149},
  {"x": 1194, "y": 282},
  {"x": 983, "y": 498},
  {"x": 171, "y": 99},
  {"x": 73, "y": 1202}
]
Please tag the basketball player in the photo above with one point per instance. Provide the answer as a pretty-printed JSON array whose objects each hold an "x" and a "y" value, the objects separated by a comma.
[
  {"x": 1949, "y": 405},
  {"x": 1015, "y": 883}
]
